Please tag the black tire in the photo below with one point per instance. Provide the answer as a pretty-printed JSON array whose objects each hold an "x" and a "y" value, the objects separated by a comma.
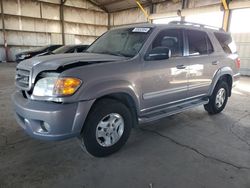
[
  {"x": 211, "y": 107},
  {"x": 101, "y": 109}
]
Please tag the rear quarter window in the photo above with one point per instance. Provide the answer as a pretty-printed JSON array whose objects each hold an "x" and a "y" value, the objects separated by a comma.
[{"x": 226, "y": 42}]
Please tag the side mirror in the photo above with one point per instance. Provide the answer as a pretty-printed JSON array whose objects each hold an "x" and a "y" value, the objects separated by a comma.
[{"x": 159, "y": 53}]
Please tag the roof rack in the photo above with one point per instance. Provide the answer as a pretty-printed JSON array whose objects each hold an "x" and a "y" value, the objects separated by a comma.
[{"x": 195, "y": 25}]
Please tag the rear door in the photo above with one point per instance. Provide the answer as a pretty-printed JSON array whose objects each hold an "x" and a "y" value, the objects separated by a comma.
[
  {"x": 202, "y": 65},
  {"x": 229, "y": 57}
]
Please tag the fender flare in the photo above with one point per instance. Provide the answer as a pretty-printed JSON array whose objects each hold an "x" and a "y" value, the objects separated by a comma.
[
  {"x": 221, "y": 72},
  {"x": 101, "y": 89}
]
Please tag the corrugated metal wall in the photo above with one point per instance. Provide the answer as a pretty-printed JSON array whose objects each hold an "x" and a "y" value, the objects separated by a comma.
[
  {"x": 32, "y": 23},
  {"x": 126, "y": 17},
  {"x": 132, "y": 16},
  {"x": 241, "y": 33},
  {"x": 242, "y": 41}
]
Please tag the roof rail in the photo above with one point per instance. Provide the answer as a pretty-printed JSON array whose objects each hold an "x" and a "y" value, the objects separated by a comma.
[{"x": 195, "y": 24}]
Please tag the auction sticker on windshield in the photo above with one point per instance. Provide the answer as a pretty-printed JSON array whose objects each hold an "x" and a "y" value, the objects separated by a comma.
[{"x": 141, "y": 29}]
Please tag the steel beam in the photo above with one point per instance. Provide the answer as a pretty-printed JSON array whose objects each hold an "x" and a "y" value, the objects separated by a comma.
[
  {"x": 109, "y": 21},
  {"x": 151, "y": 7},
  {"x": 109, "y": 3},
  {"x": 101, "y": 6},
  {"x": 62, "y": 20},
  {"x": 4, "y": 33},
  {"x": 184, "y": 5}
]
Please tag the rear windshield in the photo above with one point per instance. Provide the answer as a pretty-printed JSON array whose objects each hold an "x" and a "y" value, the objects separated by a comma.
[{"x": 226, "y": 42}]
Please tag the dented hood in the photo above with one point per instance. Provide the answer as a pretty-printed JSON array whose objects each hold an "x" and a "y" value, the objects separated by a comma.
[{"x": 54, "y": 62}]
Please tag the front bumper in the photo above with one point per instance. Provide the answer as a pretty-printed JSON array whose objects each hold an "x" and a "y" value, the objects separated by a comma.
[{"x": 48, "y": 120}]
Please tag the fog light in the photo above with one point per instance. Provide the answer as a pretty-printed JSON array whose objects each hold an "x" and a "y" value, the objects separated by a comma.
[
  {"x": 45, "y": 127},
  {"x": 26, "y": 121}
]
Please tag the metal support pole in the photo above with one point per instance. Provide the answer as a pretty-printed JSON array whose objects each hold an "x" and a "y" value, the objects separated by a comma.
[
  {"x": 226, "y": 20},
  {"x": 152, "y": 10},
  {"x": 184, "y": 5},
  {"x": 142, "y": 9},
  {"x": 226, "y": 15},
  {"x": 4, "y": 33},
  {"x": 109, "y": 21},
  {"x": 62, "y": 20}
]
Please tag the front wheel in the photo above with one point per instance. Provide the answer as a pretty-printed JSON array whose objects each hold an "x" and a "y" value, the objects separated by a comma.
[
  {"x": 107, "y": 128},
  {"x": 218, "y": 99}
]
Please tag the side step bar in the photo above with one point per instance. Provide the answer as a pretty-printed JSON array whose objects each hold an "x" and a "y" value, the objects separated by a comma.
[{"x": 156, "y": 115}]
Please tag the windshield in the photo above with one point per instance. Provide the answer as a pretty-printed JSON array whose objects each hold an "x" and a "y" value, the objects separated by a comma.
[{"x": 121, "y": 42}]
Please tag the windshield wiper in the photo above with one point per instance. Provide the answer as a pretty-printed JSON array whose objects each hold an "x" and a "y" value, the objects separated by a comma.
[{"x": 116, "y": 54}]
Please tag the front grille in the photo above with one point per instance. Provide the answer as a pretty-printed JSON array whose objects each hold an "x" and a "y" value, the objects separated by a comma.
[{"x": 23, "y": 78}]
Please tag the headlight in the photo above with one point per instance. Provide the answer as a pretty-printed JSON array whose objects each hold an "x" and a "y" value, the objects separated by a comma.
[{"x": 54, "y": 86}]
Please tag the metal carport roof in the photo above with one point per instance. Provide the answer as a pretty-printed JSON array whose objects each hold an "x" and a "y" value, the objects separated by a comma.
[{"x": 118, "y": 5}]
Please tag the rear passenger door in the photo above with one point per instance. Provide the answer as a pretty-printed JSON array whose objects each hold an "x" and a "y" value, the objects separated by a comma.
[{"x": 201, "y": 64}]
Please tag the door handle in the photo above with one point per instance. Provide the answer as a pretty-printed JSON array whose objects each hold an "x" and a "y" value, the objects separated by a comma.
[
  {"x": 215, "y": 62},
  {"x": 180, "y": 66}
]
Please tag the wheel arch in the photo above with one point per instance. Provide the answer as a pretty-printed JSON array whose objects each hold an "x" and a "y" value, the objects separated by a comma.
[
  {"x": 227, "y": 78},
  {"x": 224, "y": 74},
  {"x": 123, "y": 97},
  {"x": 126, "y": 99}
]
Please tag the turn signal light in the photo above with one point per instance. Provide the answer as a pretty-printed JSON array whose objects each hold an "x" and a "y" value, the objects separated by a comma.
[{"x": 66, "y": 86}]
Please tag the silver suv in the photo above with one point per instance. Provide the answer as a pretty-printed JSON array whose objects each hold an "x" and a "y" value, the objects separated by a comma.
[{"x": 130, "y": 75}]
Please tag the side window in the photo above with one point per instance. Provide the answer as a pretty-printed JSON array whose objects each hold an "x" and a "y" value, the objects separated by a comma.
[
  {"x": 70, "y": 51},
  {"x": 198, "y": 43},
  {"x": 53, "y": 48},
  {"x": 226, "y": 42},
  {"x": 172, "y": 39},
  {"x": 80, "y": 49},
  {"x": 75, "y": 50}
]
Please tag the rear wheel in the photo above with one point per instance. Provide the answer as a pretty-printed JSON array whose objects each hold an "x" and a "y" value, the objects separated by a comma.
[
  {"x": 218, "y": 100},
  {"x": 107, "y": 128}
]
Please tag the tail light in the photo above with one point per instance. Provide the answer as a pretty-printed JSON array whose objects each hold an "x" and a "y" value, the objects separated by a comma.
[{"x": 237, "y": 63}]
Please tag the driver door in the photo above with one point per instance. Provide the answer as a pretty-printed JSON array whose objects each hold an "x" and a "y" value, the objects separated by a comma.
[{"x": 165, "y": 81}]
